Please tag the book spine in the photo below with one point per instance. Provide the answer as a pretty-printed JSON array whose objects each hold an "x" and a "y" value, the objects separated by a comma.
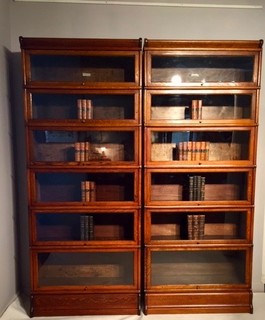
[
  {"x": 180, "y": 151},
  {"x": 86, "y": 227},
  {"x": 195, "y": 187},
  {"x": 77, "y": 152},
  {"x": 189, "y": 150},
  {"x": 190, "y": 226},
  {"x": 185, "y": 151},
  {"x": 201, "y": 226},
  {"x": 198, "y": 196},
  {"x": 87, "y": 150},
  {"x": 92, "y": 191},
  {"x": 88, "y": 191},
  {"x": 203, "y": 150},
  {"x": 191, "y": 188},
  {"x": 82, "y": 151},
  {"x": 199, "y": 109},
  {"x": 197, "y": 150},
  {"x": 83, "y": 191},
  {"x": 79, "y": 109},
  {"x": 82, "y": 227},
  {"x": 195, "y": 230},
  {"x": 207, "y": 148},
  {"x": 202, "y": 188},
  {"x": 89, "y": 109},
  {"x": 84, "y": 107},
  {"x": 194, "y": 109},
  {"x": 193, "y": 150},
  {"x": 91, "y": 228}
]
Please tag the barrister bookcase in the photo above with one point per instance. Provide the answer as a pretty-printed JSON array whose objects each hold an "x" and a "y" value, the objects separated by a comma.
[
  {"x": 201, "y": 101},
  {"x": 83, "y": 132},
  {"x": 141, "y": 164}
]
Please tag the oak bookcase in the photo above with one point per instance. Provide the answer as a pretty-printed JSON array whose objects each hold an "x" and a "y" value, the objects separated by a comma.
[
  {"x": 83, "y": 126},
  {"x": 141, "y": 192},
  {"x": 201, "y": 102}
]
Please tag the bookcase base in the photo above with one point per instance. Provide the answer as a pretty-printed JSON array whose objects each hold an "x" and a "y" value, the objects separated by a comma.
[
  {"x": 73, "y": 304},
  {"x": 206, "y": 302}
]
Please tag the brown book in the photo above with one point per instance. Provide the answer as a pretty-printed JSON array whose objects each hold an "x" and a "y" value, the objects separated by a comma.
[
  {"x": 203, "y": 150},
  {"x": 89, "y": 110},
  {"x": 77, "y": 152},
  {"x": 87, "y": 151},
  {"x": 198, "y": 150},
  {"x": 90, "y": 227},
  {"x": 84, "y": 108},
  {"x": 191, "y": 188},
  {"x": 202, "y": 196},
  {"x": 79, "y": 109},
  {"x": 83, "y": 191},
  {"x": 82, "y": 227},
  {"x": 92, "y": 190},
  {"x": 87, "y": 191},
  {"x": 189, "y": 151},
  {"x": 190, "y": 226},
  {"x": 199, "y": 109},
  {"x": 207, "y": 148},
  {"x": 195, "y": 227},
  {"x": 185, "y": 151},
  {"x": 82, "y": 151},
  {"x": 180, "y": 151},
  {"x": 194, "y": 114},
  {"x": 201, "y": 225}
]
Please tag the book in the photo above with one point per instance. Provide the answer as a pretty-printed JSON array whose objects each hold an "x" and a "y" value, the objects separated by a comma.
[
  {"x": 193, "y": 150},
  {"x": 86, "y": 227},
  {"x": 77, "y": 152},
  {"x": 196, "y": 226},
  {"x": 84, "y": 109},
  {"x": 85, "y": 151},
  {"x": 196, "y": 188},
  {"x": 196, "y": 109},
  {"x": 190, "y": 227},
  {"x": 88, "y": 191}
]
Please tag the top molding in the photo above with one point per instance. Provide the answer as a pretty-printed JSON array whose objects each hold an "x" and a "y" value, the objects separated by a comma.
[
  {"x": 152, "y": 44},
  {"x": 80, "y": 44}
]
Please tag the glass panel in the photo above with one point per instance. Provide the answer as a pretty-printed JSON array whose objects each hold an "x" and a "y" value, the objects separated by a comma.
[
  {"x": 201, "y": 106},
  {"x": 217, "y": 225},
  {"x": 199, "y": 186},
  {"x": 85, "y": 187},
  {"x": 61, "y": 68},
  {"x": 198, "y": 267},
  {"x": 87, "y": 106},
  {"x": 83, "y": 146},
  {"x": 85, "y": 269},
  {"x": 202, "y": 69},
  {"x": 106, "y": 226},
  {"x": 200, "y": 145}
]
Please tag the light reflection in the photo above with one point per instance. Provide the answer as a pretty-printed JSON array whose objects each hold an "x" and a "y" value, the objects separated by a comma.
[{"x": 176, "y": 79}]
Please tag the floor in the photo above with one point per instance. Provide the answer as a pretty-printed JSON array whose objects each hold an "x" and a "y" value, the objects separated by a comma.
[{"x": 16, "y": 312}]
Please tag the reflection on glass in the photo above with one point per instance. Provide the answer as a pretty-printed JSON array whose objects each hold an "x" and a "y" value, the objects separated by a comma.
[
  {"x": 198, "y": 267},
  {"x": 206, "y": 69},
  {"x": 85, "y": 187},
  {"x": 85, "y": 269},
  {"x": 84, "y": 107},
  {"x": 204, "y": 225},
  {"x": 200, "y": 145},
  {"x": 83, "y": 146},
  {"x": 200, "y": 106},
  {"x": 72, "y": 68},
  {"x": 84, "y": 226},
  {"x": 199, "y": 186}
]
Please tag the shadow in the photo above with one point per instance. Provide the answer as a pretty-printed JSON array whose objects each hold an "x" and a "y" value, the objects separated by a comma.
[{"x": 17, "y": 140}]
